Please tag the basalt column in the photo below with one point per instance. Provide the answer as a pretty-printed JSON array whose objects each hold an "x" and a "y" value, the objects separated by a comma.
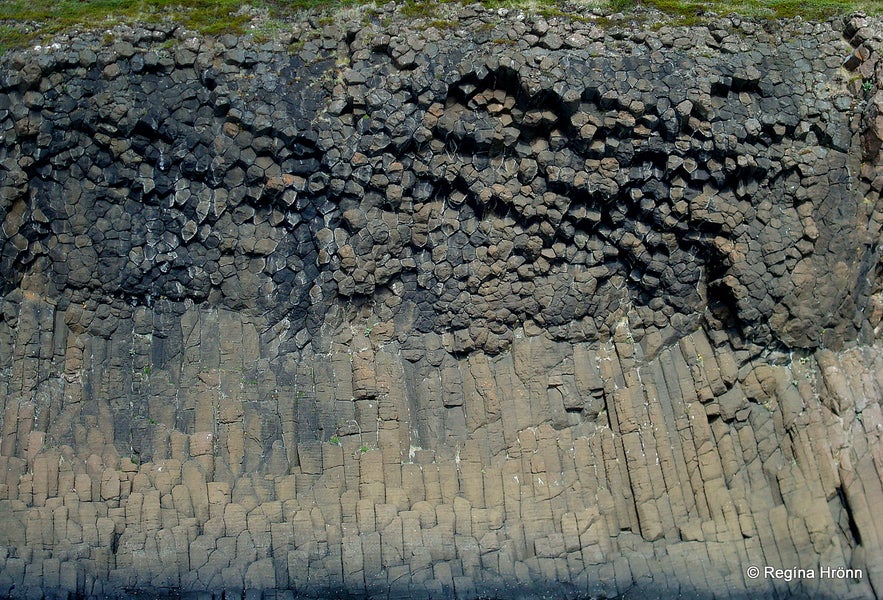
[{"x": 500, "y": 305}]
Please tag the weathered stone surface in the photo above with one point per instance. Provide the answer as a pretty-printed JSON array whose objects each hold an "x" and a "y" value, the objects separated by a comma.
[{"x": 521, "y": 307}]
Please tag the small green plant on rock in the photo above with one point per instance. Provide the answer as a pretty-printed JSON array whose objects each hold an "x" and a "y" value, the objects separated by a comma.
[
  {"x": 418, "y": 9},
  {"x": 268, "y": 29},
  {"x": 443, "y": 24},
  {"x": 334, "y": 440},
  {"x": 169, "y": 43}
]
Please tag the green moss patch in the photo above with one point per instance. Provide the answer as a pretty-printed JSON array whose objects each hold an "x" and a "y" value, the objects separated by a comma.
[{"x": 28, "y": 21}]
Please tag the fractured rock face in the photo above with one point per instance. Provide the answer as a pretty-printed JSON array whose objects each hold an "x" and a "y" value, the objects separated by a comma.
[
  {"x": 478, "y": 189},
  {"x": 517, "y": 306}
]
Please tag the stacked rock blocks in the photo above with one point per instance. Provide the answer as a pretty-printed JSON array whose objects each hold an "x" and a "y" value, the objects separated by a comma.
[{"x": 507, "y": 306}]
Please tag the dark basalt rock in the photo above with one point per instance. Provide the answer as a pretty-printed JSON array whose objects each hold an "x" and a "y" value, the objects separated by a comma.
[
  {"x": 609, "y": 177},
  {"x": 492, "y": 307}
]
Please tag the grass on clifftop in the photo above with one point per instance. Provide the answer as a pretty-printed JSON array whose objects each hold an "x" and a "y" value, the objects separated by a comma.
[
  {"x": 29, "y": 21},
  {"x": 775, "y": 9}
]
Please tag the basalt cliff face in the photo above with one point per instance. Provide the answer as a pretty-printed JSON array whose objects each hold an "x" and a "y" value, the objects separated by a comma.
[{"x": 503, "y": 305}]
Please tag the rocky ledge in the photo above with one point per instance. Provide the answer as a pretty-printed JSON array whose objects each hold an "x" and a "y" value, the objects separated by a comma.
[{"x": 491, "y": 303}]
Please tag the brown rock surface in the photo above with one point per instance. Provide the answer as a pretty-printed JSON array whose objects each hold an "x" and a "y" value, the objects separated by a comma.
[{"x": 585, "y": 313}]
